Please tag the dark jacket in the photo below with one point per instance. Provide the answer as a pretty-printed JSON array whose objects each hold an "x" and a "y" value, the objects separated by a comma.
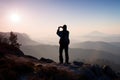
[{"x": 64, "y": 37}]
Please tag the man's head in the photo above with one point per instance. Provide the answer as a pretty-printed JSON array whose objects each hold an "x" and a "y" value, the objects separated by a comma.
[{"x": 64, "y": 27}]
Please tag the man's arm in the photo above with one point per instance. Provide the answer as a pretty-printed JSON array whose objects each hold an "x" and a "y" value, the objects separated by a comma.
[{"x": 58, "y": 31}]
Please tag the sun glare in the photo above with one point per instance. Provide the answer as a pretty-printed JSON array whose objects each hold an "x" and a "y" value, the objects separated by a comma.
[{"x": 15, "y": 18}]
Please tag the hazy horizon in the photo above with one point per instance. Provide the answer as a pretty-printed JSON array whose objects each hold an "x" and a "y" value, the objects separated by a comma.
[{"x": 41, "y": 18}]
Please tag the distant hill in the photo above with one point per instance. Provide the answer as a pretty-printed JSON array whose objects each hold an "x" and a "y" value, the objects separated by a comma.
[
  {"x": 23, "y": 38},
  {"x": 99, "y": 45},
  {"x": 96, "y": 34},
  {"x": 116, "y": 44}
]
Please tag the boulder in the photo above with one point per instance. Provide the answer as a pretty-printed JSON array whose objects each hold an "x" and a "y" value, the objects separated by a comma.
[
  {"x": 109, "y": 72},
  {"x": 46, "y": 60},
  {"x": 78, "y": 63}
]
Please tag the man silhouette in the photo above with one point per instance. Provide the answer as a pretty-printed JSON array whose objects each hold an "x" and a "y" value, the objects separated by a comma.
[{"x": 64, "y": 42}]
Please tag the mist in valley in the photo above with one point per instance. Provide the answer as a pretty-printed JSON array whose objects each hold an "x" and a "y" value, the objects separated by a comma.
[{"x": 92, "y": 51}]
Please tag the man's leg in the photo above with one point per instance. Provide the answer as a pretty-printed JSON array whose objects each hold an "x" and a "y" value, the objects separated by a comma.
[
  {"x": 60, "y": 54},
  {"x": 66, "y": 55}
]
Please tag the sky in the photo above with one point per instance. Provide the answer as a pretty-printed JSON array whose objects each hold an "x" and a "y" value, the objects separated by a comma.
[{"x": 41, "y": 18}]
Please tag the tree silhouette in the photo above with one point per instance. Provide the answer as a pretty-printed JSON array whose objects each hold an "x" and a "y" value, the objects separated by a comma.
[{"x": 13, "y": 40}]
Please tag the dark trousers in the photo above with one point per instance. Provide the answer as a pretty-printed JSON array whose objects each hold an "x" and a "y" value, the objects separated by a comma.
[{"x": 65, "y": 48}]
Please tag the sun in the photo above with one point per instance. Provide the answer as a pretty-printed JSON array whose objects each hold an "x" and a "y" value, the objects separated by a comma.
[{"x": 15, "y": 18}]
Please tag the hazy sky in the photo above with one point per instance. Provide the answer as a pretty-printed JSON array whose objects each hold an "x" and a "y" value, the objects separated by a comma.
[{"x": 40, "y": 18}]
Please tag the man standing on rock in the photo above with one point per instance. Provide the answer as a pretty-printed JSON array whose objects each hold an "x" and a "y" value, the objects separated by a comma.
[{"x": 64, "y": 43}]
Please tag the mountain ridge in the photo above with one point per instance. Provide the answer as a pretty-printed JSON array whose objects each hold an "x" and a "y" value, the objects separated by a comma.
[
  {"x": 99, "y": 45},
  {"x": 23, "y": 38},
  {"x": 51, "y": 51},
  {"x": 25, "y": 67}
]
